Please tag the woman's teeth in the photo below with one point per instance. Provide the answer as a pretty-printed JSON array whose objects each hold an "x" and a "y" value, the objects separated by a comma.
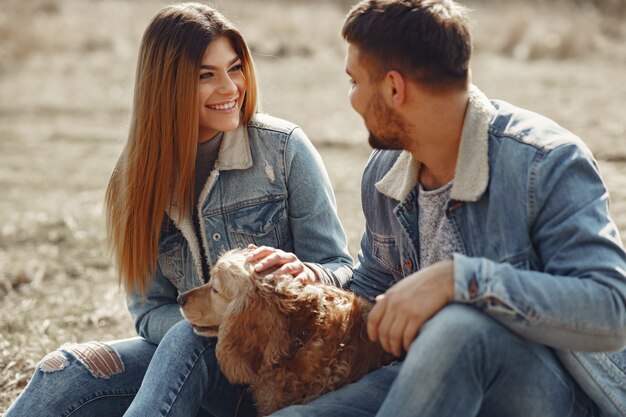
[{"x": 226, "y": 106}]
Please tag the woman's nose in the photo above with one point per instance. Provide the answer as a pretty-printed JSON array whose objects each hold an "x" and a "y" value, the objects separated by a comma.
[{"x": 227, "y": 86}]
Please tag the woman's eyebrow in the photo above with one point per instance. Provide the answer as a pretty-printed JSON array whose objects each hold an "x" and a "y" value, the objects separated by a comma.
[{"x": 210, "y": 67}]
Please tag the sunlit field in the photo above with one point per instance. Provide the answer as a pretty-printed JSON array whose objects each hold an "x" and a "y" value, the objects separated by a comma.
[{"x": 66, "y": 79}]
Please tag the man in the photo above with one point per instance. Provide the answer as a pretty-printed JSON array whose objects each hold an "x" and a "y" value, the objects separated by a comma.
[{"x": 488, "y": 247}]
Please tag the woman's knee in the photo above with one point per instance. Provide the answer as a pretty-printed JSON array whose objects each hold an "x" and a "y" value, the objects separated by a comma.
[
  {"x": 76, "y": 374},
  {"x": 182, "y": 349},
  {"x": 182, "y": 340},
  {"x": 98, "y": 358},
  {"x": 183, "y": 333}
]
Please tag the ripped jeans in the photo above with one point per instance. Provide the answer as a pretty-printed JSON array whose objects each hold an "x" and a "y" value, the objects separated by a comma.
[{"x": 98, "y": 379}]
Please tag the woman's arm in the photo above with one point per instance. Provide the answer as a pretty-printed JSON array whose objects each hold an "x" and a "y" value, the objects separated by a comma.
[
  {"x": 319, "y": 238},
  {"x": 157, "y": 311}
]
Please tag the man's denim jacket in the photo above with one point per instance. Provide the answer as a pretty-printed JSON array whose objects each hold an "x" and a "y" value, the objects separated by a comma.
[
  {"x": 539, "y": 251},
  {"x": 268, "y": 187}
]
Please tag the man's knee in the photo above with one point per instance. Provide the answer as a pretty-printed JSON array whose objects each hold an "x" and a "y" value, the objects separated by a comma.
[{"x": 460, "y": 330}]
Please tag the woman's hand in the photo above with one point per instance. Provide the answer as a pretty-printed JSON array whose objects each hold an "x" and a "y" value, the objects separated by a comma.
[{"x": 268, "y": 260}]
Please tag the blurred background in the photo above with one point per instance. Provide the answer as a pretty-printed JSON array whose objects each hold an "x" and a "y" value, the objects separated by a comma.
[{"x": 66, "y": 80}]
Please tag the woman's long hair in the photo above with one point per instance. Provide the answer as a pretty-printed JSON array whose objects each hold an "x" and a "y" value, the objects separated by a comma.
[{"x": 156, "y": 167}]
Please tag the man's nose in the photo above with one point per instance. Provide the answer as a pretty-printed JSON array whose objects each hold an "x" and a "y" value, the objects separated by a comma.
[{"x": 181, "y": 299}]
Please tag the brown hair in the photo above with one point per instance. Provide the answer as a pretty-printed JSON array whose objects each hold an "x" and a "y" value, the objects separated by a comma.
[
  {"x": 156, "y": 167},
  {"x": 426, "y": 40}
]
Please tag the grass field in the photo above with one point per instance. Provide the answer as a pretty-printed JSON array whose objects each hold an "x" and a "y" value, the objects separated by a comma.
[{"x": 66, "y": 74}]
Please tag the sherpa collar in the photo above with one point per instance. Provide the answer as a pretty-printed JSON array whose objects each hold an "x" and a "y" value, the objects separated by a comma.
[
  {"x": 472, "y": 169},
  {"x": 234, "y": 153}
]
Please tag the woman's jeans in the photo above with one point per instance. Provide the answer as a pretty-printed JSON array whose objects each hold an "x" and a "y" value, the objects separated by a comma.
[
  {"x": 103, "y": 379},
  {"x": 463, "y": 363}
]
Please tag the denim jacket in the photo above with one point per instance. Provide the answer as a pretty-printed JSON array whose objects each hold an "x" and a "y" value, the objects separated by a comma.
[
  {"x": 539, "y": 254},
  {"x": 268, "y": 187}
]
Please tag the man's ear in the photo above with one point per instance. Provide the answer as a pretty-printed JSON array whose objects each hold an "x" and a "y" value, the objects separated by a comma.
[{"x": 395, "y": 88}]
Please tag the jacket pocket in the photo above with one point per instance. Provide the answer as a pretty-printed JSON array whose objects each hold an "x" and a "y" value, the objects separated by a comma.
[
  {"x": 170, "y": 259},
  {"x": 386, "y": 253},
  {"x": 260, "y": 224}
]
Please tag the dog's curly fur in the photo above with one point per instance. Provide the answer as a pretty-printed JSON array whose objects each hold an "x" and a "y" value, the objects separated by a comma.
[{"x": 289, "y": 342}]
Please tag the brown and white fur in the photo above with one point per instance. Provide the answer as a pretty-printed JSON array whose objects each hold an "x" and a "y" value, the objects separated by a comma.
[{"x": 289, "y": 342}]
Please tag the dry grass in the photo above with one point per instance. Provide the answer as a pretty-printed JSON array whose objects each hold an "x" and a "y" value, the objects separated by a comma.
[
  {"x": 66, "y": 71},
  {"x": 555, "y": 30}
]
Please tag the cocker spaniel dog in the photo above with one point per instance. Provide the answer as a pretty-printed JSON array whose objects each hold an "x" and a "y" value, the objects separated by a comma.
[{"x": 288, "y": 341}]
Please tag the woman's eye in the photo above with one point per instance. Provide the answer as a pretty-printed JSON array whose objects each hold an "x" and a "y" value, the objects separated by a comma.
[
  {"x": 236, "y": 68},
  {"x": 206, "y": 75}
]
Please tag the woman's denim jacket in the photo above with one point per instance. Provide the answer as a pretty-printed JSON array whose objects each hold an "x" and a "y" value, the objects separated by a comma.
[
  {"x": 268, "y": 187},
  {"x": 539, "y": 251}
]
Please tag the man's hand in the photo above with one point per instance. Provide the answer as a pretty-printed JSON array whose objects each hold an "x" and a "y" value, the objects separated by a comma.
[
  {"x": 271, "y": 260},
  {"x": 400, "y": 312}
]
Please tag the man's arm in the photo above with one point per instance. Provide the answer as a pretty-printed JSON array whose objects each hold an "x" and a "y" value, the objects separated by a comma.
[
  {"x": 404, "y": 308},
  {"x": 578, "y": 300}
]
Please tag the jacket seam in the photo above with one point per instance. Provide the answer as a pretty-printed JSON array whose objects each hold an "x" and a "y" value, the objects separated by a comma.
[
  {"x": 532, "y": 189},
  {"x": 247, "y": 203},
  {"x": 604, "y": 389},
  {"x": 284, "y": 158},
  {"x": 287, "y": 130}
]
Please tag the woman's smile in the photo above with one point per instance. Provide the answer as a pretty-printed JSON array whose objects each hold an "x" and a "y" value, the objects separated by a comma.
[{"x": 228, "y": 106}]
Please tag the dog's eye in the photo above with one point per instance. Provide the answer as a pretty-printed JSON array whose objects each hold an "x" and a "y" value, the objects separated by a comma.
[{"x": 214, "y": 291}]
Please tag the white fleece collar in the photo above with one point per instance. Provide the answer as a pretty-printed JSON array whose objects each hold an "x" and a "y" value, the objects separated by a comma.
[
  {"x": 234, "y": 153},
  {"x": 472, "y": 169}
]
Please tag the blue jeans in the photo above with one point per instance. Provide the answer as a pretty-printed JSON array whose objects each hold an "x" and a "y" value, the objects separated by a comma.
[
  {"x": 136, "y": 378},
  {"x": 184, "y": 377},
  {"x": 463, "y": 363}
]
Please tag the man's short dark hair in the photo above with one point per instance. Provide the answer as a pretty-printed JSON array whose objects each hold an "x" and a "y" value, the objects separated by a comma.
[{"x": 427, "y": 41}]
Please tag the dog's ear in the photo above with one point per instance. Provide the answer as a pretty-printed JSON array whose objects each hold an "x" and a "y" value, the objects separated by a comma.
[{"x": 254, "y": 336}]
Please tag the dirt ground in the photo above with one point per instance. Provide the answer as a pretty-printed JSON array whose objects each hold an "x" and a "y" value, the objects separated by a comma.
[{"x": 66, "y": 74}]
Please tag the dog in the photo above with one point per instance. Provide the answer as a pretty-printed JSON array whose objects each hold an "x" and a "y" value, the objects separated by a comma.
[{"x": 289, "y": 342}]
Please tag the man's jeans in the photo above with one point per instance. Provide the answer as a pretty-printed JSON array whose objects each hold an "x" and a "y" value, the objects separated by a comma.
[
  {"x": 463, "y": 363},
  {"x": 169, "y": 380}
]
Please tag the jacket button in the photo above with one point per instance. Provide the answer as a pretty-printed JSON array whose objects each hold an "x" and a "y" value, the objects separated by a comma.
[
  {"x": 473, "y": 288},
  {"x": 408, "y": 264},
  {"x": 217, "y": 236}
]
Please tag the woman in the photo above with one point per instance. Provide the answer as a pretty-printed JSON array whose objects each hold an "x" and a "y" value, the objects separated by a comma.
[{"x": 201, "y": 173}]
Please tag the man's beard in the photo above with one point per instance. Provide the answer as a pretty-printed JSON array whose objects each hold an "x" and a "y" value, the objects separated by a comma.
[{"x": 394, "y": 135}]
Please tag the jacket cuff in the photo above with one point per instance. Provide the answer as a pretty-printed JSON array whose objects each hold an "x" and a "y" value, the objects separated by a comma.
[
  {"x": 324, "y": 275},
  {"x": 471, "y": 278}
]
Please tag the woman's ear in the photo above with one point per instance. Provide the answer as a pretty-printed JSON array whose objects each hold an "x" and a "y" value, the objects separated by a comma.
[{"x": 394, "y": 85}]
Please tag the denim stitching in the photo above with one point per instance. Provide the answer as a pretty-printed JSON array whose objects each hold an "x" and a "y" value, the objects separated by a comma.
[
  {"x": 195, "y": 362},
  {"x": 97, "y": 396}
]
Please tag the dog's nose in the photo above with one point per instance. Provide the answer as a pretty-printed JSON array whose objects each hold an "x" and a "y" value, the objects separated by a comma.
[{"x": 181, "y": 299}]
